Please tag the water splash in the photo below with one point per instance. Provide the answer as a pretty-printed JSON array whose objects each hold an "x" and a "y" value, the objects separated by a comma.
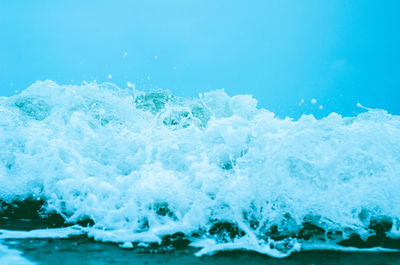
[{"x": 216, "y": 169}]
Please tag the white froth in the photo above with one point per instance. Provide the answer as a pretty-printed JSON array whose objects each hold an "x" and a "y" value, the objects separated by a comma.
[
  {"x": 146, "y": 165},
  {"x": 43, "y": 233},
  {"x": 334, "y": 247},
  {"x": 210, "y": 246}
]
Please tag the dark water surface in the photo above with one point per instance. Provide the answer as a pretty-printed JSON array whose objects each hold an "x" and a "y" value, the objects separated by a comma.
[{"x": 81, "y": 250}]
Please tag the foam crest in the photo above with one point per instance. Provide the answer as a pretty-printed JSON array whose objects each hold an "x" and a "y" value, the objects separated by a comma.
[{"x": 147, "y": 166}]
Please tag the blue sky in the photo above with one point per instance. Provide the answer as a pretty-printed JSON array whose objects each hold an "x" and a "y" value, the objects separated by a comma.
[{"x": 338, "y": 52}]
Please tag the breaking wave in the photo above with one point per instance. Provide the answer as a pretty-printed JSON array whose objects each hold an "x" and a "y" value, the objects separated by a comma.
[{"x": 215, "y": 172}]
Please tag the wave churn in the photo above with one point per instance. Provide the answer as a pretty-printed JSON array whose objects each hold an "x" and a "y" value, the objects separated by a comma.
[{"x": 215, "y": 172}]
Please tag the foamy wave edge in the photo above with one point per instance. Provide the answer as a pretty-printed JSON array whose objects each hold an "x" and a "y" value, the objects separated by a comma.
[{"x": 214, "y": 170}]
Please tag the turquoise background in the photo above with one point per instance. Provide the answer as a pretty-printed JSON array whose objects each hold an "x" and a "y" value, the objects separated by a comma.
[{"x": 338, "y": 52}]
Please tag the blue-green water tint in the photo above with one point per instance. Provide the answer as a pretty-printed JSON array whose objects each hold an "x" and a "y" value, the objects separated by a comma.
[
  {"x": 337, "y": 52},
  {"x": 138, "y": 166}
]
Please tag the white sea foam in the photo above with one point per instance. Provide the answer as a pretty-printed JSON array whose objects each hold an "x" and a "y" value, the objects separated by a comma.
[
  {"x": 146, "y": 165},
  {"x": 334, "y": 247},
  {"x": 248, "y": 242},
  {"x": 43, "y": 233}
]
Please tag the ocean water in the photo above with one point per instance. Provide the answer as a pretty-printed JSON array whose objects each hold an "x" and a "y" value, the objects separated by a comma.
[
  {"x": 11, "y": 256},
  {"x": 215, "y": 172}
]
